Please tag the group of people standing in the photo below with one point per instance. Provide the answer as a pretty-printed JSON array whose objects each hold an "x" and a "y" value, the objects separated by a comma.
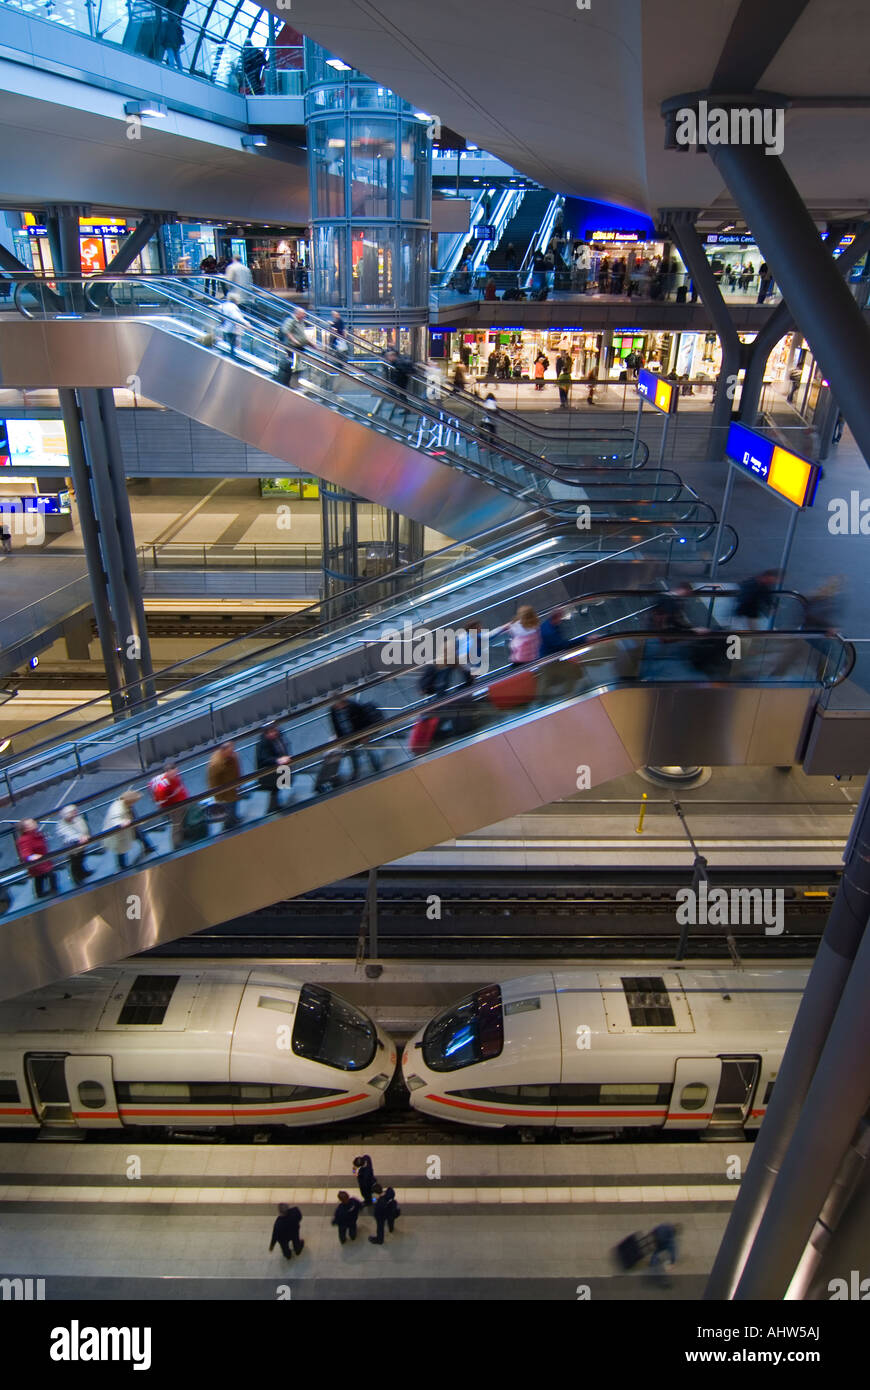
[{"x": 382, "y": 1201}]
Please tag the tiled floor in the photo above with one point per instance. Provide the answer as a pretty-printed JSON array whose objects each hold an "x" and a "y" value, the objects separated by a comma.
[{"x": 503, "y": 1221}]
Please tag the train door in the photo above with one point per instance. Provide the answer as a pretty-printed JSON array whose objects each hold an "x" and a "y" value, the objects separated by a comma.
[
  {"x": 46, "y": 1079},
  {"x": 696, "y": 1084},
  {"x": 736, "y": 1089},
  {"x": 91, "y": 1091}
]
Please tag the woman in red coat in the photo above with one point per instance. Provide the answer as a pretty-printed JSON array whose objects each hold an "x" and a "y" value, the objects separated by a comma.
[{"x": 33, "y": 851}]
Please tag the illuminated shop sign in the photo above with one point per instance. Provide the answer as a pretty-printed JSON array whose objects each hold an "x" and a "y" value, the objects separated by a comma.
[
  {"x": 607, "y": 236},
  {"x": 730, "y": 239},
  {"x": 784, "y": 473},
  {"x": 88, "y": 229},
  {"x": 657, "y": 391}
]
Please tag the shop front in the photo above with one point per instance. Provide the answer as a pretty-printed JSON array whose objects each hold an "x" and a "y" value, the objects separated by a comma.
[
  {"x": 99, "y": 241},
  {"x": 624, "y": 252}
]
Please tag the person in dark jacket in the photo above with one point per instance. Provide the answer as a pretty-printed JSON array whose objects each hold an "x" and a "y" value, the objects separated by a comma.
[
  {"x": 397, "y": 369},
  {"x": 365, "y": 1176},
  {"x": 669, "y": 610},
  {"x": 170, "y": 39},
  {"x": 285, "y": 1231},
  {"x": 352, "y": 717},
  {"x": 345, "y": 1216},
  {"x": 755, "y": 597},
  {"x": 273, "y": 756},
  {"x": 386, "y": 1211},
  {"x": 553, "y": 637}
]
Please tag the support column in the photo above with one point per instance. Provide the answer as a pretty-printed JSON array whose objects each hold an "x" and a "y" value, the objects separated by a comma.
[
  {"x": 831, "y": 969},
  {"x": 689, "y": 246},
  {"x": 779, "y": 323},
  {"x": 72, "y": 423},
  {"x": 127, "y": 538},
  {"x": 135, "y": 242},
  {"x": 811, "y": 283}
]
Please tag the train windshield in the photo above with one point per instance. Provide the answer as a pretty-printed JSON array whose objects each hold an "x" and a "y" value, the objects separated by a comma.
[
  {"x": 331, "y": 1031},
  {"x": 472, "y": 1031}
]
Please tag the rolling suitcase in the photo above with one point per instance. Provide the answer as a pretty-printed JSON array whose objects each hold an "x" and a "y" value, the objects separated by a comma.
[
  {"x": 631, "y": 1251},
  {"x": 422, "y": 735},
  {"x": 514, "y": 691}
]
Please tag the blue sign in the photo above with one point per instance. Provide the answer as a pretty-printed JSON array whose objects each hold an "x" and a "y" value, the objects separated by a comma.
[
  {"x": 787, "y": 474},
  {"x": 484, "y": 232},
  {"x": 657, "y": 390}
]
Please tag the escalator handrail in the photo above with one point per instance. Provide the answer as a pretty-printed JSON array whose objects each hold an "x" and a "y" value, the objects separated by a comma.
[
  {"x": 432, "y": 706},
  {"x": 170, "y": 289},
  {"x": 253, "y": 658}
]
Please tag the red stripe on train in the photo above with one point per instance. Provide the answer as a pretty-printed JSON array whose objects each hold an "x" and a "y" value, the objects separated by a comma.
[
  {"x": 231, "y": 1114},
  {"x": 553, "y": 1113}
]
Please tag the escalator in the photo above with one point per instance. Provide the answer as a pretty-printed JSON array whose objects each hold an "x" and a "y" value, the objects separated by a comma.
[
  {"x": 521, "y": 231},
  {"x": 338, "y": 422},
  {"x": 618, "y": 697}
]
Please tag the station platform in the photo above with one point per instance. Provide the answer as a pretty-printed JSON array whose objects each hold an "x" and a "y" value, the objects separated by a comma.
[{"x": 503, "y": 1221}]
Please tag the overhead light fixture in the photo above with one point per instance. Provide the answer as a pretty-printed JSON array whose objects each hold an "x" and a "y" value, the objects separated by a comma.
[
  {"x": 5, "y": 746},
  {"x": 157, "y": 109},
  {"x": 422, "y": 116},
  {"x": 472, "y": 147},
  {"x": 338, "y": 65},
  {"x": 254, "y": 142}
]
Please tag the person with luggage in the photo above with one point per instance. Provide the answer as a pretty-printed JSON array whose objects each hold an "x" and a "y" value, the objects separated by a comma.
[
  {"x": 386, "y": 1211},
  {"x": 32, "y": 848},
  {"x": 224, "y": 774},
  {"x": 170, "y": 794},
  {"x": 364, "y": 1172},
  {"x": 121, "y": 822},
  {"x": 345, "y": 1216},
  {"x": 74, "y": 835},
  {"x": 285, "y": 1231},
  {"x": 659, "y": 1246},
  {"x": 272, "y": 760}
]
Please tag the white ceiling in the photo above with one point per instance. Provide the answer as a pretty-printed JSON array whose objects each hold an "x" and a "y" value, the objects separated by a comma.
[{"x": 572, "y": 97}]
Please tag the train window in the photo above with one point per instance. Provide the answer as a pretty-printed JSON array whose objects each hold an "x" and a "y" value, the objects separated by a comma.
[
  {"x": 281, "y": 1006},
  {"x": 92, "y": 1095},
  {"x": 303, "y": 1092},
  {"x": 8, "y": 1091},
  {"x": 522, "y": 1006},
  {"x": 471, "y": 1031},
  {"x": 538, "y": 1095},
  {"x": 333, "y": 1032},
  {"x": 152, "y": 1090},
  {"x": 649, "y": 1005},
  {"x": 148, "y": 999},
  {"x": 769, "y": 1092},
  {"x": 634, "y": 1093},
  {"x": 693, "y": 1096}
]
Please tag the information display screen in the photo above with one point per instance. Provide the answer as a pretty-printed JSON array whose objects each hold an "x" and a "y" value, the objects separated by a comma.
[
  {"x": 785, "y": 473},
  {"x": 657, "y": 391},
  {"x": 484, "y": 232},
  {"x": 35, "y": 444}
]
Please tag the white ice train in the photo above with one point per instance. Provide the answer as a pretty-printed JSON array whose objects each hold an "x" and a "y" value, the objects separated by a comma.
[
  {"x": 608, "y": 1049},
  {"x": 182, "y": 1048}
]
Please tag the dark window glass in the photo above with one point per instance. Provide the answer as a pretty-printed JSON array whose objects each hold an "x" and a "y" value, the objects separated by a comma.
[
  {"x": 92, "y": 1095},
  {"x": 216, "y": 1092},
  {"x": 148, "y": 999},
  {"x": 573, "y": 1094},
  {"x": 331, "y": 1031},
  {"x": 8, "y": 1091},
  {"x": 649, "y": 1005},
  {"x": 471, "y": 1031},
  {"x": 769, "y": 1092}
]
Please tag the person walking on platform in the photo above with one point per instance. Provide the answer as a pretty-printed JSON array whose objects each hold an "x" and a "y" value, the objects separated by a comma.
[
  {"x": 32, "y": 850},
  {"x": 6, "y": 539},
  {"x": 386, "y": 1211},
  {"x": 346, "y": 1216},
  {"x": 170, "y": 794},
  {"x": 224, "y": 774},
  {"x": 285, "y": 1231},
  {"x": 121, "y": 821},
  {"x": 564, "y": 383},
  {"x": 75, "y": 834},
  {"x": 273, "y": 764},
  {"x": 364, "y": 1172}
]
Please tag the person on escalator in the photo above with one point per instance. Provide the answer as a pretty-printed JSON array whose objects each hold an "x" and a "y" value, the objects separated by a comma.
[
  {"x": 234, "y": 322},
  {"x": 33, "y": 851},
  {"x": 122, "y": 823},
  {"x": 293, "y": 337},
  {"x": 488, "y": 424},
  {"x": 272, "y": 761},
  {"x": 755, "y": 598},
  {"x": 525, "y": 635},
  {"x": 397, "y": 369},
  {"x": 669, "y": 610},
  {"x": 355, "y": 717}
]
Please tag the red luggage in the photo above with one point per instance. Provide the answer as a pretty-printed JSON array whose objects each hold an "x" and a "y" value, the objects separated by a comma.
[
  {"x": 422, "y": 734},
  {"x": 514, "y": 691}
]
